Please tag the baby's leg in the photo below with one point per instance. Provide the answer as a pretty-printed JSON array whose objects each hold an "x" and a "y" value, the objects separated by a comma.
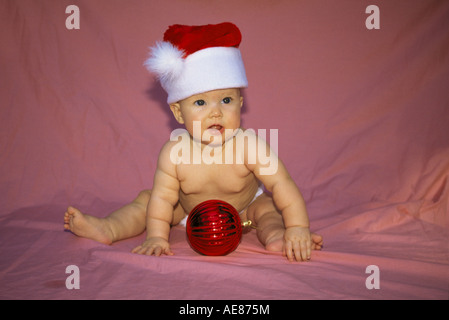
[
  {"x": 270, "y": 225},
  {"x": 268, "y": 222},
  {"x": 126, "y": 222}
]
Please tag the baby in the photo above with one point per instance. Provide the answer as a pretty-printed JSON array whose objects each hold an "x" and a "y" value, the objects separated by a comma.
[{"x": 201, "y": 69}]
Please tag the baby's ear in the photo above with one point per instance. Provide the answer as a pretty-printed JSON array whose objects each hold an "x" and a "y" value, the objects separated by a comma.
[{"x": 176, "y": 110}]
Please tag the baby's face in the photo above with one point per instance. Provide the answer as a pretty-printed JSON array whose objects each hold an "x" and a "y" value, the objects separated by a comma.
[{"x": 217, "y": 109}]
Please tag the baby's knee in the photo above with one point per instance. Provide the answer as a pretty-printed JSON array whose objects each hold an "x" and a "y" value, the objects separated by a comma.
[
  {"x": 262, "y": 207},
  {"x": 143, "y": 197}
]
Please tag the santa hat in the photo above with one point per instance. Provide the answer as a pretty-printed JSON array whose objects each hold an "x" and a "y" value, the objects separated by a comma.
[{"x": 197, "y": 59}]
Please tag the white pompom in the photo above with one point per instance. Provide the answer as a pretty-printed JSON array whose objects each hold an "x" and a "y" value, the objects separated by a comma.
[{"x": 166, "y": 61}]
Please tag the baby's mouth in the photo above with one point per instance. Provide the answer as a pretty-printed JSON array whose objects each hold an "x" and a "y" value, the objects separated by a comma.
[{"x": 218, "y": 127}]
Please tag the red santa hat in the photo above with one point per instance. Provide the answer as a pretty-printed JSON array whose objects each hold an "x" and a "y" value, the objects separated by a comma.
[{"x": 197, "y": 59}]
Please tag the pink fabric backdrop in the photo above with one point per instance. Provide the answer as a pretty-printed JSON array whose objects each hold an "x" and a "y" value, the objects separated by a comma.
[{"x": 363, "y": 120}]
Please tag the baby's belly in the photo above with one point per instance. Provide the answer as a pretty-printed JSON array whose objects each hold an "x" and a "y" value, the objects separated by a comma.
[{"x": 239, "y": 200}]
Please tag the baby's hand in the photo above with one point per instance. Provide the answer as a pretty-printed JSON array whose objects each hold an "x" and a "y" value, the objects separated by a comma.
[
  {"x": 297, "y": 243},
  {"x": 156, "y": 246}
]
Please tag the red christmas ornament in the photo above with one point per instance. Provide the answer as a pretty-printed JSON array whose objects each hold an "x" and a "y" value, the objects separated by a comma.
[{"x": 214, "y": 228}]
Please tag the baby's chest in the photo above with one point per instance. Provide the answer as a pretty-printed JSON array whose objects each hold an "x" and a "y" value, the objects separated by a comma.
[{"x": 225, "y": 178}]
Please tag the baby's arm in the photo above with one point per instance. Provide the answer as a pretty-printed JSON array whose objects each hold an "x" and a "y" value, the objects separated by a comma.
[
  {"x": 278, "y": 181},
  {"x": 289, "y": 200},
  {"x": 164, "y": 196},
  {"x": 287, "y": 197}
]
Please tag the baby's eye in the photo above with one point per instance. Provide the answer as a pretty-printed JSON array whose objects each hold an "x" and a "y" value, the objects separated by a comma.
[
  {"x": 200, "y": 103},
  {"x": 226, "y": 100}
]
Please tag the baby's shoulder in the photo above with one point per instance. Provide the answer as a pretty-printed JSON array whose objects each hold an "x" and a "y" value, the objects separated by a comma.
[
  {"x": 177, "y": 137},
  {"x": 176, "y": 147}
]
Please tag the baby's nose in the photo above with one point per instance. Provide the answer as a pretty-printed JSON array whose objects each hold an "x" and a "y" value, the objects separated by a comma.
[{"x": 216, "y": 111}]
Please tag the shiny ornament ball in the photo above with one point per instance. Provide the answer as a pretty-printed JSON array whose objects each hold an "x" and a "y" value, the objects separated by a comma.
[{"x": 214, "y": 228}]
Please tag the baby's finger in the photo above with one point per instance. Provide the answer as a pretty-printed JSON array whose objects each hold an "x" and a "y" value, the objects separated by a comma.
[
  {"x": 157, "y": 251},
  {"x": 305, "y": 253},
  {"x": 140, "y": 250},
  {"x": 148, "y": 251},
  {"x": 289, "y": 251},
  {"x": 297, "y": 251},
  {"x": 144, "y": 250},
  {"x": 136, "y": 249},
  {"x": 309, "y": 249}
]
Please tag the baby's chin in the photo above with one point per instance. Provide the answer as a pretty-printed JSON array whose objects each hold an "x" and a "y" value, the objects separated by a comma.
[
  {"x": 214, "y": 143},
  {"x": 215, "y": 137}
]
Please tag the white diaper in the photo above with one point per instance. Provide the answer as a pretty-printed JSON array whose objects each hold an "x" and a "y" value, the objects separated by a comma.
[{"x": 258, "y": 193}]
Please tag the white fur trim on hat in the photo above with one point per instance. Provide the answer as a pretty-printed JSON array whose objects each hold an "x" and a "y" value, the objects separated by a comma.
[
  {"x": 166, "y": 61},
  {"x": 204, "y": 70}
]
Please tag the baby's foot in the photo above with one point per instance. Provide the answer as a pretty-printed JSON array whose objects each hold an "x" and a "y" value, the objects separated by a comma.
[
  {"x": 87, "y": 226},
  {"x": 275, "y": 241},
  {"x": 317, "y": 241}
]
